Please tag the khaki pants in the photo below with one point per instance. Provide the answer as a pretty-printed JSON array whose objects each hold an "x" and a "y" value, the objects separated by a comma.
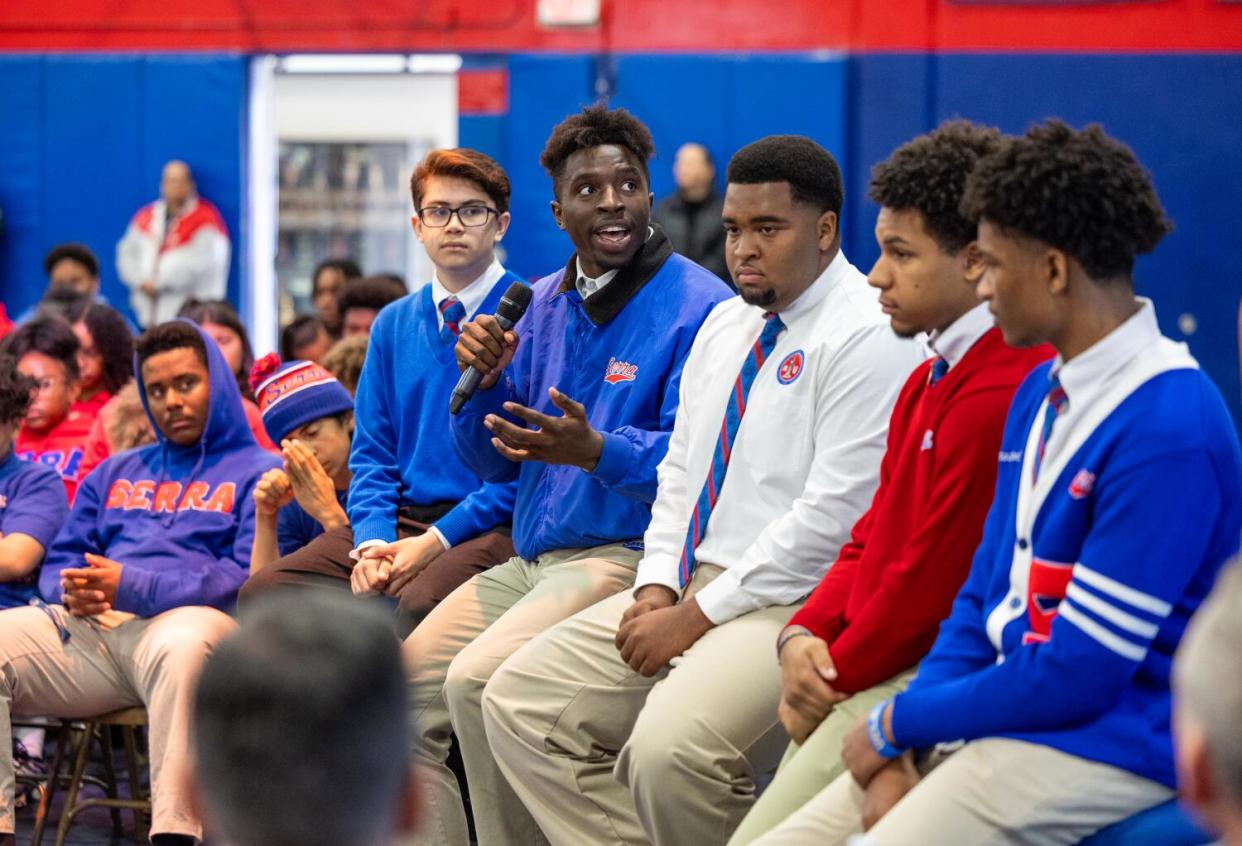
[
  {"x": 994, "y": 791},
  {"x": 454, "y": 652},
  {"x": 808, "y": 769},
  {"x": 151, "y": 662},
  {"x": 601, "y": 754}
]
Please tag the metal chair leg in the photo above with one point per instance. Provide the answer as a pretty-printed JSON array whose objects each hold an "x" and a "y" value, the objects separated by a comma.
[
  {"x": 81, "y": 753},
  {"x": 135, "y": 782},
  {"x": 110, "y": 784},
  {"x": 63, "y": 733}
]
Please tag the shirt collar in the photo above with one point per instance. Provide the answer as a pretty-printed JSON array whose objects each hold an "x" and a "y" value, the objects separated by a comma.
[
  {"x": 1089, "y": 372},
  {"x": 471, "y": 296},
  {"x": 958, "y": 337},
  {"x": 587, "y": 285},
  {"x": 818, "y": 290}
]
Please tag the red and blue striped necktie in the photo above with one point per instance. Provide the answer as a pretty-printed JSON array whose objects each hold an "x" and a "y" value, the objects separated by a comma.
[
  {"x": 734, "y": 411},
  {"x": 453, "y": 313},
  {"x": 1057, "y": 401}
]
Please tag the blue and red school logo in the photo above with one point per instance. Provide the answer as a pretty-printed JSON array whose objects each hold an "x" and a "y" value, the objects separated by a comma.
[
  {"x": 64, "y": 462},
  {"x": 280, "y": 385},
  {"x": 1082, "y": 484},
  {"x": 620, "y": 371},
  {"x": 791, "y": 367}
]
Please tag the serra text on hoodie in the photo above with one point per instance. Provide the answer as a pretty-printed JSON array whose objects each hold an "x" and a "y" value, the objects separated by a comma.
[{"x": 180, "y": 520}]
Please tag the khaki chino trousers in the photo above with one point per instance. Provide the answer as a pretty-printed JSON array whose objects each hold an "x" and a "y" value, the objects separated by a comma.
[{"x": 600, "y": 754}]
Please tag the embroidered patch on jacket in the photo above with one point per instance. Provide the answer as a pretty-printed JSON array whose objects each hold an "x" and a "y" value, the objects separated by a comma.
[
  {"x": 791, "y": 367},
  {"x": 1081, "y": 485},
  {"x": 927, "y": 440},
  {"x": 620, "y": 371}
]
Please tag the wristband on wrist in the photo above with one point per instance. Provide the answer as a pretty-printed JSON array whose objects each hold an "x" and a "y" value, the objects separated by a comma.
[
  {"x": 875, "y": 733},
  {"x": 789, "y": 633}
]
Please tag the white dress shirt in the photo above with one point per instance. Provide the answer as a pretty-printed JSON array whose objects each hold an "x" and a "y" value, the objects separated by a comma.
[
  {"x": 806, "y": 457},
  {"x": 587, "y": 286},
  {"x": 954, "y": 342},
  {"x": 471, "y": 296}
]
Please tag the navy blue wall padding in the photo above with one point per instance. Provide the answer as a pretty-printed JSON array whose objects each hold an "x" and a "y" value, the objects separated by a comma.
[
  {"x": 85, "y": 138},
  {"x": 1176, "y": 111}
]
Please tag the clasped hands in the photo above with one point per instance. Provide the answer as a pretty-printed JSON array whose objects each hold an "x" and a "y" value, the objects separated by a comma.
[
  {"x": 304, "y": 479},
  {"x": 657, "y": 628}
]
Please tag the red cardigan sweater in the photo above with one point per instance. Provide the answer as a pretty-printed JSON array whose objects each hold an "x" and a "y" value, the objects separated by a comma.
[{"x": 881, "y": 603}]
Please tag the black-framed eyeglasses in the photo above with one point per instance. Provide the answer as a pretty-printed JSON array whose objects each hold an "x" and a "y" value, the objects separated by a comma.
[{"x": 438, "y": 217}]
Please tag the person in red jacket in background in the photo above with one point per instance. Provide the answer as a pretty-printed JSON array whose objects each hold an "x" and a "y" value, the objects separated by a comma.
[{"x": 860, "y": 636}]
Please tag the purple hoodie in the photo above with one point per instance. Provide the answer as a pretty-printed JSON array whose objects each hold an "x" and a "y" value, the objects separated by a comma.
[{"x": 180, "y": 520}]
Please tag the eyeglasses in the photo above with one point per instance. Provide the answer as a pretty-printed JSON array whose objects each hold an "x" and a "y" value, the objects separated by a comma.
[{"x": 438, "y": 217}]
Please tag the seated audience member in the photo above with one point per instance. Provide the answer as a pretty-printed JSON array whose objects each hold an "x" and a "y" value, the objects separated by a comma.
[
  {"x": 1207, "y": 690},
  {"x": 311, "y": 416},
  {"x": 305, "y": 339},
  {"x": 32, "y": 497},
  {"x": 152, "y": 555},
  {"x": 1053, "y": 666},
  {"x": 327, "y": 284},
  {"x": 56, "y": 428},
  {"x": 861, "y": 634},
  {"x": 775, "y": 453},
  {"x": 72, "y": 274},
  {"x": 105, "y": 353},
  {"x": 220, "y": 321},
  {"x": 407, "y": 482},
  {"x": 291, "y": 752},
  {"x": 363, "y": 299},
  {"x": 597, "y": 374},
  {"x": 345, "y": 361}
]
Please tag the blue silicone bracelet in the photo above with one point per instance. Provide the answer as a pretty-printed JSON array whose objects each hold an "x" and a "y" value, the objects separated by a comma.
[{"x": 875, "y": 732}]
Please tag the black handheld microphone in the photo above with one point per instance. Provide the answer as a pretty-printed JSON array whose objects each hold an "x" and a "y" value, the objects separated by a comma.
[{"x": 512, "y": 306}]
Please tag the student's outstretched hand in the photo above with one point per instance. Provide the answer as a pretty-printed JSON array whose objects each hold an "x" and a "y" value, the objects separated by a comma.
[
  {"x": 312, "y": 486},
  {"x": 568, "y": 439},
  {"x": 486, "y": 347},
  {"x": 272, "y": 493},
  {"x": 408, "y": 557},
  {"x": 90, "y": 590}
]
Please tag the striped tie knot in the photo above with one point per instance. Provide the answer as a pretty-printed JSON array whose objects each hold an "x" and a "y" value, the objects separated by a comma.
[
  {"x": 938, "y": 369},
  {"x": 453, "y": 313}
]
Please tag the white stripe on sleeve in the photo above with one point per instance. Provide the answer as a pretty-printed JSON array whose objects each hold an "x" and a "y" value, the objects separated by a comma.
[
  {"x": 1142, "y": 601},
  {"x": 1109, "y": 612},
  {"x": 1101, "y": 635}
]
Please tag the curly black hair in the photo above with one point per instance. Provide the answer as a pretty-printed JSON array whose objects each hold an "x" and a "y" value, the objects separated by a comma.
[
  {"x": 112, "y": 338},
  {"x": 301, "y": 331},
  {"x": 77, "y": 252},
  {"x": 48, "y": 334},
  {"x": 928, "y": 175},
  {"x": 173, "y": 335},
  {"x": 15, "y": 388},
  {"x": 813, "y": 175},
  {"x": 596, "y": 126},
  {"x": 1079, "y": 191}
]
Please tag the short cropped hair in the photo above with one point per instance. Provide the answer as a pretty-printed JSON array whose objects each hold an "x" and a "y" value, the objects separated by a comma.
[
  {"x": 48, "y": 334},
  {"x": 462, "y": 163},
  {"x": 112, "y": 338},
  {"x": 1079, "y": 191},
  {"x": 77, "y": 252},
  {"x": 173, "y": 335},
  {"x": 813, "y": 174},
  {"x": 1207, "y": 682},
  {"x": 15, "y": 388},
  {"x": 373, "y": 292},
  {"x": 928, "y": 175},
  {"x": 596, "y": 126},
  {"x": 300, "y": 725}
]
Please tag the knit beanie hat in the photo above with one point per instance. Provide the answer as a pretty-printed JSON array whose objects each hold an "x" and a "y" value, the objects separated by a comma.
[{"x": 292, "y": 395}]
